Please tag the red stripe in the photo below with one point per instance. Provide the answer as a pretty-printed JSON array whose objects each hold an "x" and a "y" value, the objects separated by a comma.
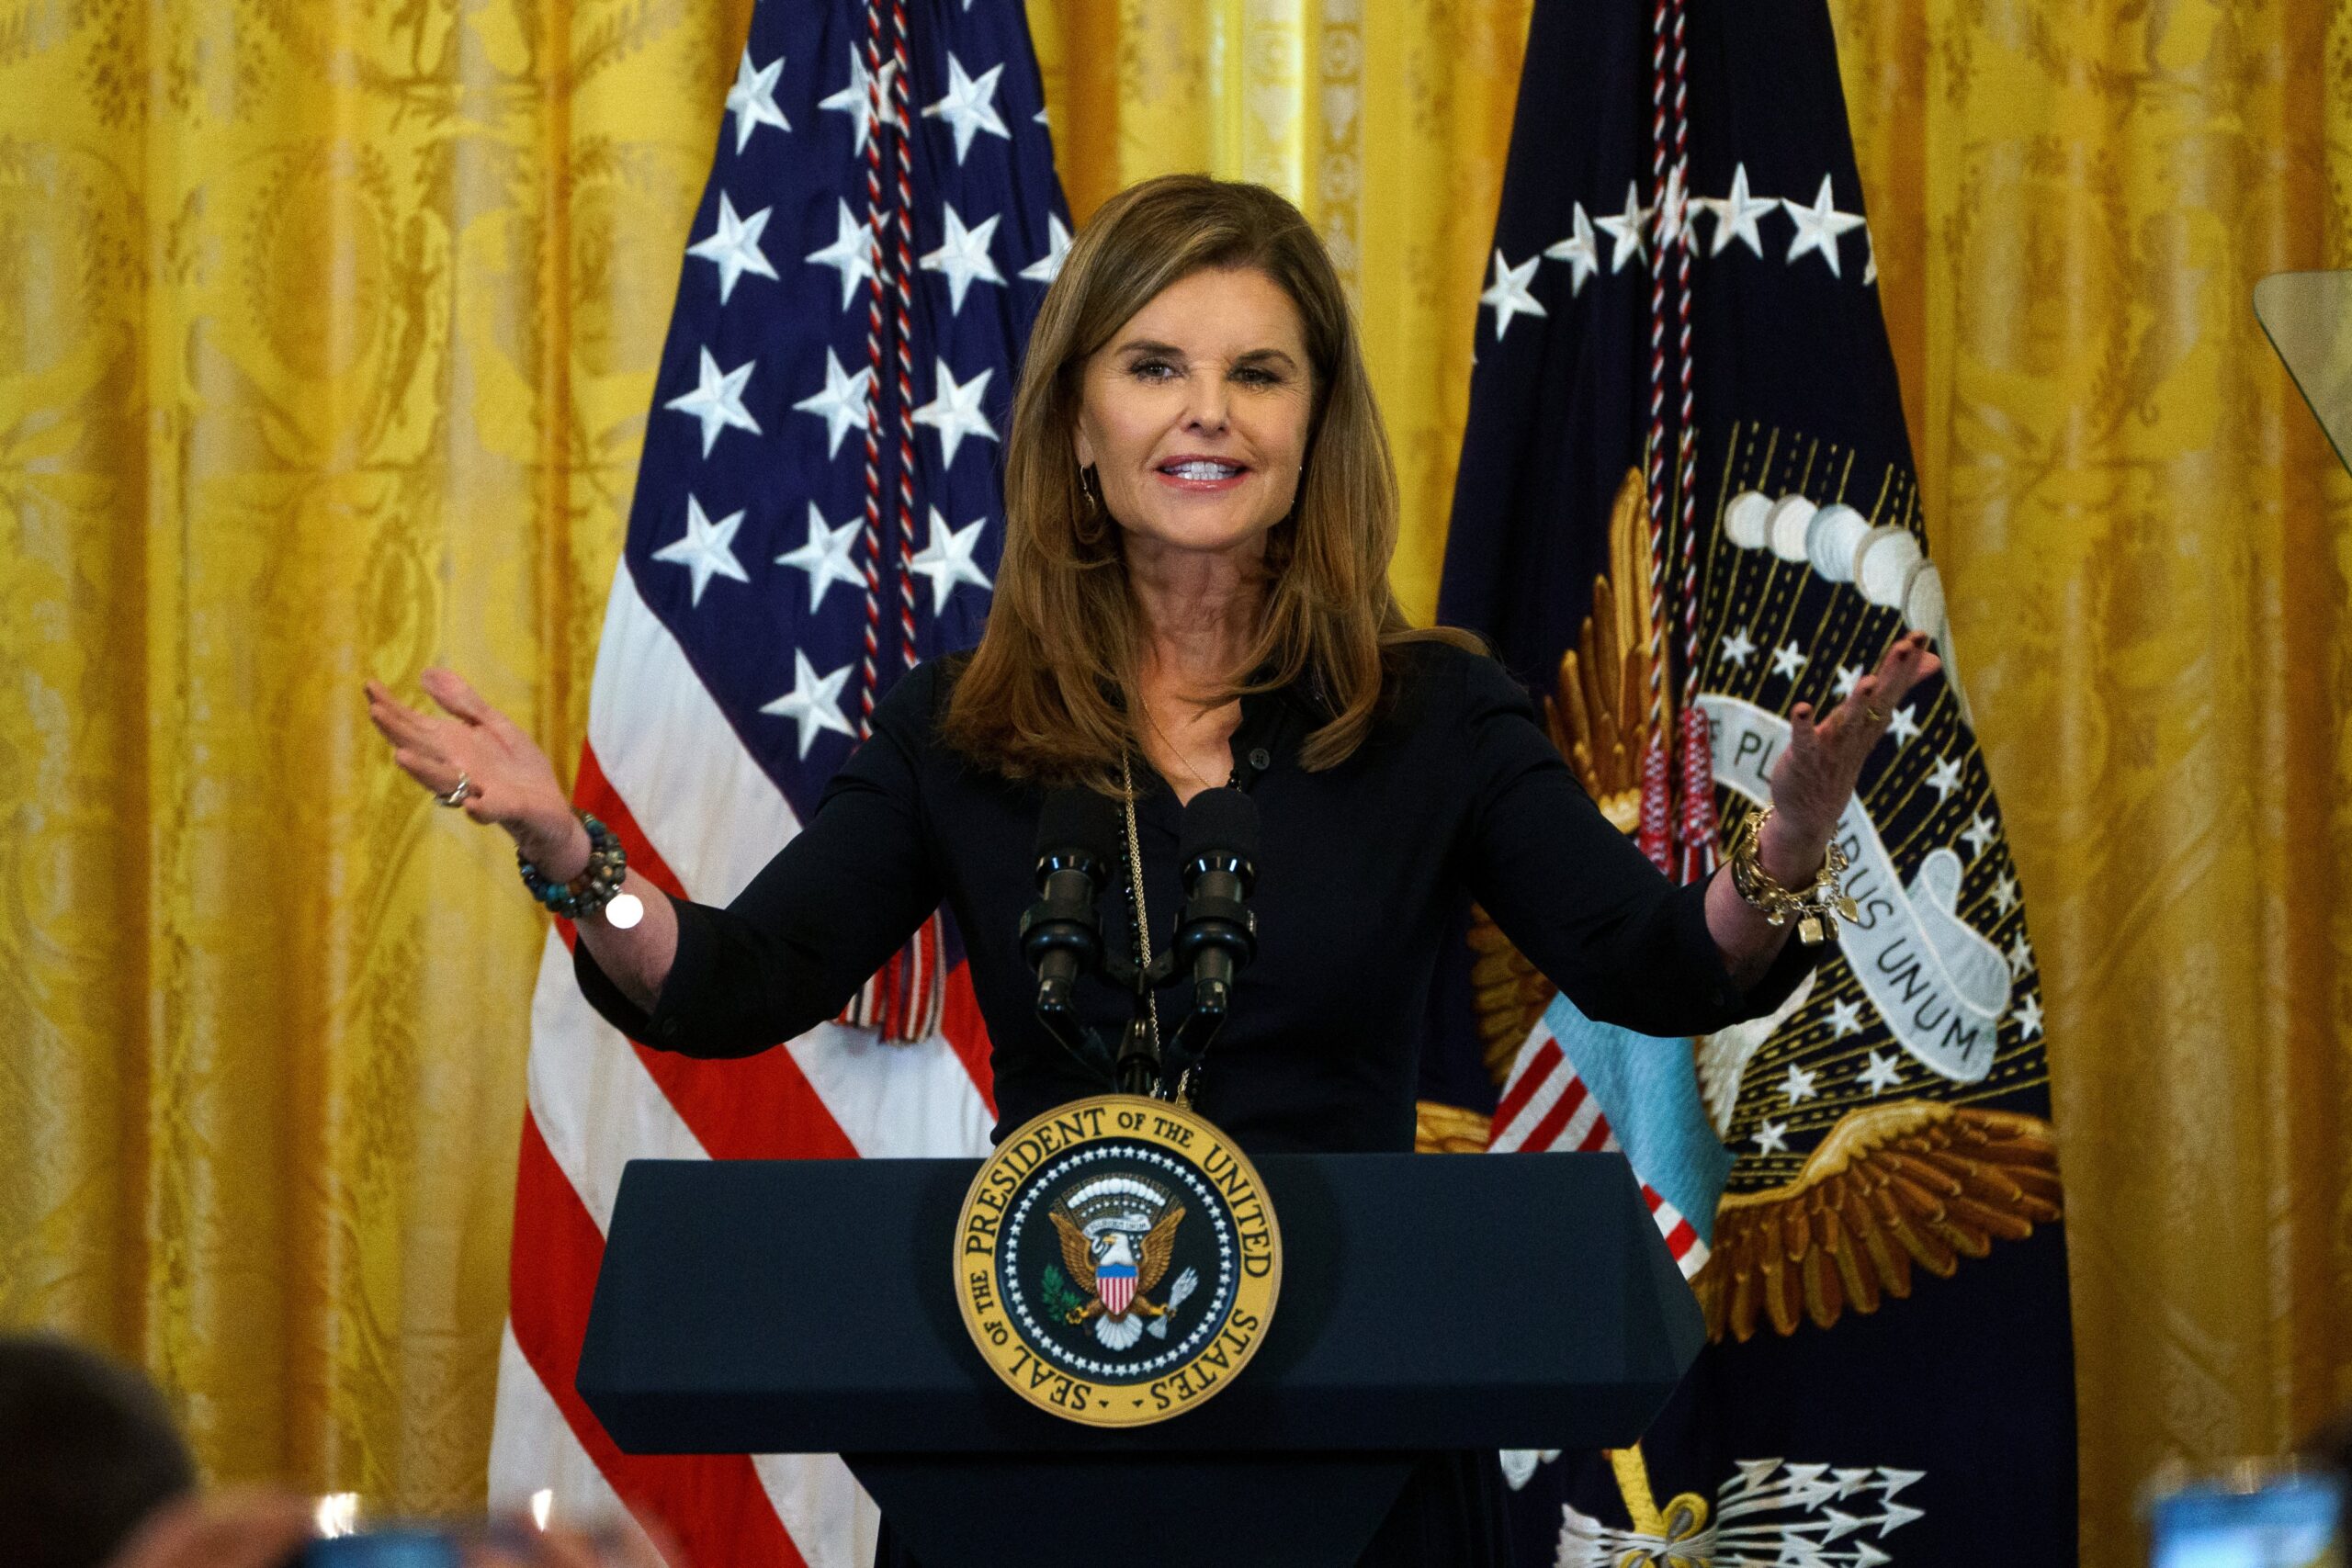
[
  {"x": 1653, "y": 1197},
  {"x": 966, "y": 1034},
  {"x": 1576, "y": 1094},
  {"x": 712, "y": 1506},
  {"x": 1596, "y": 1137},
  {"x": 1681, "y": 1240},
  {"x": 1530, "y": 1079},
  {"x": 760, "y": 1107}
]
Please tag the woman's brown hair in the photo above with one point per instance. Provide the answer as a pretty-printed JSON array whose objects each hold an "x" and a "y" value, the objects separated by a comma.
[{"x": 1049, "y": 691}]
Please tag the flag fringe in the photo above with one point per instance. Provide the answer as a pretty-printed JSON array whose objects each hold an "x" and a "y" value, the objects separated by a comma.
[{"x": 904, "y": 1001}]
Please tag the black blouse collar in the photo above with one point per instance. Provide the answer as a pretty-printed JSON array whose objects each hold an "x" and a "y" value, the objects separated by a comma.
[{"x": 1274, "y": 724}]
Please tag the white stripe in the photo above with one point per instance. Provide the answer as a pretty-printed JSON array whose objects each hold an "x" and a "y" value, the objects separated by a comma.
[
  {"x": 1572, "y": 1132},
  {"x": 598, "y": 1108},
  {"x": 825, "y": 1511},
  {"x": 1667, "y": 1217},
  {"x": 596, "y": 1104},
  {"x": 1547, "y": 1094},
  {"x": 532, "y": 1448},
  {"x": 709, "y": 811},
  {"x": 1529, "y": 1049},
  {"x": 894, "y": 1101}
]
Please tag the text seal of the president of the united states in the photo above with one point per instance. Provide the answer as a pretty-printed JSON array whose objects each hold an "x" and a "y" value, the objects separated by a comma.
[{"x": 1117, "y": 1260}]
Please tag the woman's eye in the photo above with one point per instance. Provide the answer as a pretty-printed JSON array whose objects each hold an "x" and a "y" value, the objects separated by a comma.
[
  {"x": 1152, "y": 369},
  {"x": 1257, "y": 375}
]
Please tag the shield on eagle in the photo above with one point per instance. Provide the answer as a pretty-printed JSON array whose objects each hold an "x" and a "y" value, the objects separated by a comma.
[{"x": 1116, "y": 1283}]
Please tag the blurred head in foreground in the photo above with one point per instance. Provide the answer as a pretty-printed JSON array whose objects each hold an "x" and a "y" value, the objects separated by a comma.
[{"x": 87, "y": 1452}]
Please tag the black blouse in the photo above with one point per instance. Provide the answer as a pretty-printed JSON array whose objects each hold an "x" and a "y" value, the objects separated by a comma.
[{"x": 1458, "y": 791}]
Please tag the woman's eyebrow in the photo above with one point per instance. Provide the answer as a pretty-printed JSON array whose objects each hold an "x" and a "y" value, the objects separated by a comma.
[
  {"x": 1267, "y": 354},
  {"x": 1169, "y": 350}
]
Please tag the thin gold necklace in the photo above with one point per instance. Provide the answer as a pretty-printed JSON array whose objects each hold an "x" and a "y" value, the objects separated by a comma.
[
  {"x": 1142, "y": 923},
  {"x": 1174, "y": 753}
]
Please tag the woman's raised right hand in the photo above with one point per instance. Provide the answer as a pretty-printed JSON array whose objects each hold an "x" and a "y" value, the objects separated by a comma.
[{"x": 509, "y": 780}]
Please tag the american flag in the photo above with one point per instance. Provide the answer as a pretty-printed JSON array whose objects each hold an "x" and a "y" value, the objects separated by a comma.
[{"x": 819, "y": 508}]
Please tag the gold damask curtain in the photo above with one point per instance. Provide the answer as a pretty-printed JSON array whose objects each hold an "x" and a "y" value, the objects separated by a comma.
[
  {"x": 326, "y": 337},
  {"x": 2147, "y": 542}
]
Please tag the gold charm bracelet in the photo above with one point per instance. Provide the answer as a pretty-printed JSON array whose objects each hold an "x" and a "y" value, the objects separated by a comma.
[{"x": 1817, "y": 907}]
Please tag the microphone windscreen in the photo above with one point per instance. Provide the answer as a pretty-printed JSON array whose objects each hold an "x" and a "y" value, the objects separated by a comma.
[
  {"x": 1218, "y": 821},
  {"x": 1076, "y": 818}
]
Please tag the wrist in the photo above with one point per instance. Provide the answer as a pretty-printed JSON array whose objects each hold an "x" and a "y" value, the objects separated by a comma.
[
  {"x": 1813, "y": 864},
  {"x": 597, "y": 886},
  {"x": 560, "y": 853},
  {"x": 1791, "y": 855}
]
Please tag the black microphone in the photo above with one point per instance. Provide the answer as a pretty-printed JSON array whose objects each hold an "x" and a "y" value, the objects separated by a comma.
[
  {"x": 1217, "y": 934},
  {"x": 1061, "y": 935}
]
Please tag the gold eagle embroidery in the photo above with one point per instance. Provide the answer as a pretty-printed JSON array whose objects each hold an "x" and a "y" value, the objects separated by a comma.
[{"x": 1914, "y": 1181}]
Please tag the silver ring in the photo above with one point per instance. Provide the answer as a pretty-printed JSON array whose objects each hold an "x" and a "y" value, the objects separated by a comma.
[{"x": 455, "y": 796}]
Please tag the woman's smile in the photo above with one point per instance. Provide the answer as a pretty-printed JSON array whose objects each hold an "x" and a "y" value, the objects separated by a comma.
[{"x": 1195, "y": 475}]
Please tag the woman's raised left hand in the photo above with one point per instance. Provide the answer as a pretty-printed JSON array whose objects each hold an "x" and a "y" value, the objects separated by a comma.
[
  {"x": 508, "y": 779},
  {"x": 1816, "y": 773}
]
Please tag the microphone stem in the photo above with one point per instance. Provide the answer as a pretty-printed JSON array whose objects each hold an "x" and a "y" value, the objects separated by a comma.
[{"x": 1139, "y": 1058}]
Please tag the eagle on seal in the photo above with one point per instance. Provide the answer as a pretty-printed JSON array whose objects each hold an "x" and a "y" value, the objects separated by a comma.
[{"x": 1115, "y": 1269}]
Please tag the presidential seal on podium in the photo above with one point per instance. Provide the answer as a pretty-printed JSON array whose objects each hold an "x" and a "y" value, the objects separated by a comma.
[{"x": 1118, "y": 1262}]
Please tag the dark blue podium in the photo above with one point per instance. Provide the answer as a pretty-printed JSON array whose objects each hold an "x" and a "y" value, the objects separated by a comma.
[{"x": 1428, "y": 1303}]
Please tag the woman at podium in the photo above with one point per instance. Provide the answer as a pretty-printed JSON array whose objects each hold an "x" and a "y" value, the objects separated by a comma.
[{"x": 1193, "y": 593}]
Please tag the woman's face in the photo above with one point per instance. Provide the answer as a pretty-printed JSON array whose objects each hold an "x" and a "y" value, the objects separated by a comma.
[{"x": 1195, "y": 414}]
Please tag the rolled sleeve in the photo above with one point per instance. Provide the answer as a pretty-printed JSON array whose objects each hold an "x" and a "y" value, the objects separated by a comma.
[{"x": 685, "y": 1007}]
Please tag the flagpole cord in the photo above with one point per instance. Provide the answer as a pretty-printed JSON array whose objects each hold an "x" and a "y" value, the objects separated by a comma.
[
  {"x": 901, "y": 275},
  {"x": 1696, "y": 823},
  {"x": 904, "y": 1001},
  {"x": 870, "y": 540},
  {"x": 1655, "y": 831}
]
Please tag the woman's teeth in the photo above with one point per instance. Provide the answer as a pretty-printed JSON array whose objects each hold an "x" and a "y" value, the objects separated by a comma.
[{"x": 1203, "y": 470}]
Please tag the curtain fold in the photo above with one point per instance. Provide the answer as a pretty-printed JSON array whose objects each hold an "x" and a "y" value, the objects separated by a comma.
[{"x": 327, "y": 336}]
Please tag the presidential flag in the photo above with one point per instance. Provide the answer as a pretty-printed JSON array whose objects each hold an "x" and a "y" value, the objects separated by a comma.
[
  {"x": 819, "y": 507},
  {"x": 1686, "y": 504}
]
